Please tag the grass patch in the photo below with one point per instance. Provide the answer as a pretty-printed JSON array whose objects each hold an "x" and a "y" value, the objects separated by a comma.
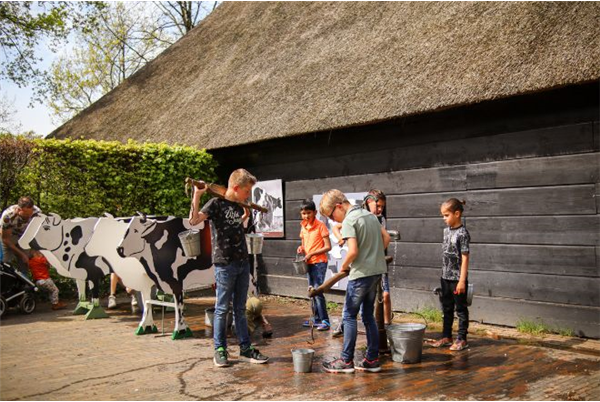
[
  {"x": 540, "y": 328},
  {"x": 331, "y": 306},
  {"x": 532, "y": 327},
  {"x": 565, "y": 331},
  {"x": 431, "y": 314}
]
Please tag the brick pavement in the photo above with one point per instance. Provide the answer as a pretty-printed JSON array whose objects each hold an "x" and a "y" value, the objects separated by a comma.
[{"x": 56, "y": 356}]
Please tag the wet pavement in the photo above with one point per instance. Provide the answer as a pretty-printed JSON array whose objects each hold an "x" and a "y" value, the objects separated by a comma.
[{"x": 53, "y": 355}]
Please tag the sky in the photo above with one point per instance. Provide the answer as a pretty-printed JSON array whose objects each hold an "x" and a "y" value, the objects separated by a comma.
[{"x": 30, "y": 119}]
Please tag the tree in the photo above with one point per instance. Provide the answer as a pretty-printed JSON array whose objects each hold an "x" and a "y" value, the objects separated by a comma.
[
  {"x": 125, "y": 38},
  {"x": 21, "y": 31},
  {"x": 25, "y": 25},
  {"x": 179, "y": 17},
  {"x": 101, "y": 59},
  {"x": 8, "y": 123},
  {"x": 15, "y": 153}
]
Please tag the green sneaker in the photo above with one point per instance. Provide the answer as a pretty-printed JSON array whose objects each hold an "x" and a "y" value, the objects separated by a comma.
[
  {"x": 220, "y": 358},
  {"x": 253, "y": 356}
]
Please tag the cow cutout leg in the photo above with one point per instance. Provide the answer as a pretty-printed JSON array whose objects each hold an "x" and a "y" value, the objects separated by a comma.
[
  {"x": 181, "y": 330},
  {"x": 95, "y": 311},
  {"x": 81, "y": 307},
  {"x": 147, "y": 324}
]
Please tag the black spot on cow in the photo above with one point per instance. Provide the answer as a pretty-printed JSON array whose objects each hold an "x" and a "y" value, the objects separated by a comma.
[
  {"x": 76, "y": 234},
  {"x": 67, "y": 249},
  {"x": 94, "y": 271},
  {"x": 65, "y": 257},
  {"x": 65, "y": 243}
]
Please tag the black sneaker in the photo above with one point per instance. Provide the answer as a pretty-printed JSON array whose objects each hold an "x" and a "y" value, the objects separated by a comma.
[
  {"x": 339, "y": 366},
  {"x": 372, "y": 366},
  {"x": 253, "y": 356},
  {"x": 220, "y": 358}
]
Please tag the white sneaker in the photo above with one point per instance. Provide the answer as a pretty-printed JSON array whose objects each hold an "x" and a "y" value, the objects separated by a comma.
[
  {"x": 134, "y": 304},
  {"x": 112, "y": 301}
]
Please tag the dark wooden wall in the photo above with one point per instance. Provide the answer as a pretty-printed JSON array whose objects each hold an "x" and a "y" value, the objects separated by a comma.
[{"x": 529, "y": 169}]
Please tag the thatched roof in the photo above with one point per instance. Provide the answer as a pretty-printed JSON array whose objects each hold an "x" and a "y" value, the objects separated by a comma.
[{"x": 257, "y": 71}]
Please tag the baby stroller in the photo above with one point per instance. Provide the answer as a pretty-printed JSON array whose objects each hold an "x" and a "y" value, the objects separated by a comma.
[{"x": 16, "y": 290}]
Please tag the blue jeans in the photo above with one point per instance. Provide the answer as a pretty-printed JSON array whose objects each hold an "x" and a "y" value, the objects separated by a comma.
[
  {"x": 316, "y": 277},
  {"x": 232, "y": 281},
  {"x": 361, "y": 292}
]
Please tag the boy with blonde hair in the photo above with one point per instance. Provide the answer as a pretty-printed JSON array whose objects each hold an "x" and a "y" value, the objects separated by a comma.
[
  {"x": 364, "y": 263},
  {"x": 230, "y": 257}
]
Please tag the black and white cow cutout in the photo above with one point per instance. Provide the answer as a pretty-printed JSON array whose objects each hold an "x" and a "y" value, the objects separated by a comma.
[
  {"x": 156, "y": 245},
  {"x": 66, "y": 240},
  {"x": 24, "y": 243},
  {"x": 104, "y": 242}
]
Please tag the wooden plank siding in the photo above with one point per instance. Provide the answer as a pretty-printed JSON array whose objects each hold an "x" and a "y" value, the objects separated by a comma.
[
  {"x": 529, "y": 169},
  {"x": 534, "y": 224}
]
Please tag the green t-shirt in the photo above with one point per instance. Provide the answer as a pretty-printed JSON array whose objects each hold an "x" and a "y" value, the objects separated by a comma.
[{"x": 365, "y": 227}]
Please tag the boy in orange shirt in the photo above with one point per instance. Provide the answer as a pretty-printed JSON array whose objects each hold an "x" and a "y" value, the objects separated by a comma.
[
  {"x": 315, "y": 245},
  {"x": 39, "y": 267}
]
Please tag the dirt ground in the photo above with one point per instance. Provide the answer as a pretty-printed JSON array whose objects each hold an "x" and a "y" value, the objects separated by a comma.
[{"x": 54, "y": 355}]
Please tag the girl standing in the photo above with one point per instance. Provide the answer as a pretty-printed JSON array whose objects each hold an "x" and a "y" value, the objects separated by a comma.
[{"x": 454, "y": 280}]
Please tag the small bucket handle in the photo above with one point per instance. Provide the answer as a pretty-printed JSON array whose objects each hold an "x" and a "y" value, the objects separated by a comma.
[{"x": 422, "y": 316}]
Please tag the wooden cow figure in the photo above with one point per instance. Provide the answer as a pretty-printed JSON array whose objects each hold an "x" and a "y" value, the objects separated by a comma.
[
  {"x": 156, "y": 245},
  {"x": 24, "y": 243},
  {"x": 104, "y": 242},
  {"x": 66, "y": 240}
]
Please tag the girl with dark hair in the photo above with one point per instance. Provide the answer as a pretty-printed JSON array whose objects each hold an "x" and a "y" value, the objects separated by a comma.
[{"x": 454, "y": 280}]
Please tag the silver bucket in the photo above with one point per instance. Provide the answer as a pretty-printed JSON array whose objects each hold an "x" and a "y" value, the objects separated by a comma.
[
  {"x": 190, "y": 241},
  {"x": 470, "y": 294},
  {"x": 254, "y": 243},
  {"x": 302, "y": 360},
  {"x": 300, "y": 267},
  {"x": 406, "y": 342},
  {"x": 209, "y": 317}
]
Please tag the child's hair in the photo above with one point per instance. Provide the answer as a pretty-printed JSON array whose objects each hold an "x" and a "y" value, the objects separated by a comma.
[
  {"x": 379, "y": 195},
  {"x": 308, "y": 205},
  {"x": 375, "y": 195},
  {"x": 25, "y": 202},
  {"x": 330, "y": 199},
  {"x": 241, "y": 177},
  {"x": 454, "y": 205}
]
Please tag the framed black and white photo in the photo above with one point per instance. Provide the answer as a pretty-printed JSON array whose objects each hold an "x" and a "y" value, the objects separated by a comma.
[{"x": 269, "y": 194}]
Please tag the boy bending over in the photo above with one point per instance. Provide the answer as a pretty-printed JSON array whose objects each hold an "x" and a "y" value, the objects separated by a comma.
[{"x": 364, "y": 263}]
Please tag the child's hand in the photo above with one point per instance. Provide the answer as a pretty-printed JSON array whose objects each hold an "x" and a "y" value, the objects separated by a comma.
[
  {"x": 460, "y": 288},
  {"x": 308, "y": 257},
  {"x": 341, "y": 242},
  {"x": 194, "y": 218},
  {"x": 300, "y": 250},
  {"x": 312, "y": 292}
]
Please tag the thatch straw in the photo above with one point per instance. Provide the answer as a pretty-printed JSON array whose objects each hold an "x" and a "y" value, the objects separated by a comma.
[{"x": 257, "y": 71}]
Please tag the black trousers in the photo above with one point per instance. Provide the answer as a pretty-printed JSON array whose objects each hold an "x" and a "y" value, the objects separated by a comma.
[{"x": 450, "y": 302}]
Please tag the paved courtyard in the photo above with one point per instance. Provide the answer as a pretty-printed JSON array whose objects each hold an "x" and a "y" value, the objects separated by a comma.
[{"x": 53, "y": 355}]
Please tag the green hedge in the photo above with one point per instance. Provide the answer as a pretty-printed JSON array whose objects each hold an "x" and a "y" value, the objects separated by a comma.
[{"x": 81, "y": 178}]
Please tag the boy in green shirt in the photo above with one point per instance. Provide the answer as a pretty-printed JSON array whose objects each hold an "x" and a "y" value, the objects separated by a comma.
[{"x": 364, "y": 264}]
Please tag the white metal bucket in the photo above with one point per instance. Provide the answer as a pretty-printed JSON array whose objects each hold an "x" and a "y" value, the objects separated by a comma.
[
  {"x": 406, "y": 342},
  {"x": 300, "y": 267},
  {"x": 302, "y": 360},
  {"x": 190, "y": 242},
  {"x": 254, "y": 243}
]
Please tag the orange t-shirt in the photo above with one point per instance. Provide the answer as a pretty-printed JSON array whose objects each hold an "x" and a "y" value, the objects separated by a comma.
[
  {"x": 312, "y": 239},
  {"x": 39, "y": 268}
]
